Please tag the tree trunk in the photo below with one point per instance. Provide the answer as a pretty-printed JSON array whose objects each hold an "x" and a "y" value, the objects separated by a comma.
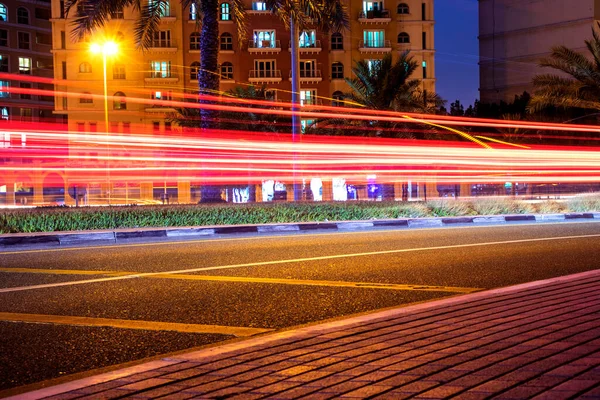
[{"x": 296, "y": 129}]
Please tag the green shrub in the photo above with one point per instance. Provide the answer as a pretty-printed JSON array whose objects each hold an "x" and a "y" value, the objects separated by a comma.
[
  {"x": 450, "y": 208},
  {"x": 584, "y": 202},
  {"x": 550, "y": 207}
]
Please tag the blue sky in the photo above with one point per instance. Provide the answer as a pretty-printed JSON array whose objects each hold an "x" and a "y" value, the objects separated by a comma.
[{"x": 457, "y": 50}]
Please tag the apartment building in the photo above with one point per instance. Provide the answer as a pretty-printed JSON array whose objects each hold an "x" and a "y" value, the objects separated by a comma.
[
  {"x": 25, "y": 44},
  {"x": 170, "y": 66},
  {"x": 515, "y": 34}
]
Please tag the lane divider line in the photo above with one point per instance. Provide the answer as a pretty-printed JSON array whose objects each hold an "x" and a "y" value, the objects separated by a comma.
[
  {"x": 243, "y": 279},
  {"x": 238, "y": 331},
  {"x": 297, "y": 260}
]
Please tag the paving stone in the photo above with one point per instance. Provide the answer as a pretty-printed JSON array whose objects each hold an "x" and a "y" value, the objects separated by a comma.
[
  {"x": 146, "y": 384},
  {"x": 367, "y": 391}
]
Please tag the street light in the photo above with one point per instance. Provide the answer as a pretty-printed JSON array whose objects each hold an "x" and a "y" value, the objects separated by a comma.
[{"x": 107, "y": 48}]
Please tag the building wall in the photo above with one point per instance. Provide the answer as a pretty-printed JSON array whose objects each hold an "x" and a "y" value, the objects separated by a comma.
[
  {"x": 26, "y": 37},
  {"x": 515, "y": 34},
  {"x": 69, "y": 54}
]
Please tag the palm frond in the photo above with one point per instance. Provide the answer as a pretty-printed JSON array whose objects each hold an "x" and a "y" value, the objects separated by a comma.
[{"x": 149, "y": 22}]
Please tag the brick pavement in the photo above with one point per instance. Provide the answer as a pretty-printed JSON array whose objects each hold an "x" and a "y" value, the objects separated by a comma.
[{"x": 539, "y": 340}]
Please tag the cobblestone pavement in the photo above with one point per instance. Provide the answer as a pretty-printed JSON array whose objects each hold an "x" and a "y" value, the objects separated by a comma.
[{"x": 539, "y": 340}]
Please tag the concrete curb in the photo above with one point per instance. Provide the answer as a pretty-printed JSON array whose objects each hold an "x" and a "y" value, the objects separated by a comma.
[{"x": 121, "y": 235}]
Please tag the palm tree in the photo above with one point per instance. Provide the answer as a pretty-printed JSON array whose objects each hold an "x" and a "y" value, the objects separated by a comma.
[
  {"x": 92, "y": 14},
  {"x": 580, "y": 88}
]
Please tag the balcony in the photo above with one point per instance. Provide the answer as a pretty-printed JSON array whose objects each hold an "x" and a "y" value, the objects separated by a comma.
[
  {"x": 313, "y": 47},
  {"x": 162, "y": 77},
  {"x": 403, "y": 46},
  {"x": 374, "y": 17},
  {"x": 375, "y": 46},
  {"x": 265, "y": 76},
  {"x": 167, "y": 17},
  {"x": 308, "y": 76},
  {"x": 163, "y": 46},
  {"x": 264, "y": 46}
]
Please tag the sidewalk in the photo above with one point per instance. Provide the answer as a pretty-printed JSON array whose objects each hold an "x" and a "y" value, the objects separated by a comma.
[{"x": 537, "y": 340}]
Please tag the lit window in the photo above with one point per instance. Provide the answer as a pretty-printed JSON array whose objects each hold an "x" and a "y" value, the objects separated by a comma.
[
  {"x": 119, "y": 101},
  {"x": 424, "y": 65},
  {"x": 227, "y": 71},
  {"x": 308, "y": 38},
  {"x": 164, "y": 7},
  {"x": 4, "y": 93},
  {"x": 337, "y": 41},
  {"x": 86, "y": 98},
  {"x": 226, "y": 41},
  {"x": 3, "y": 14},
  {"x": 337, "y": 70},
  {"x": 193, "y": 12},
  {"x": 24, "y": 40},
  {"x": 308, "y": 97},
  {"x": 4, "y": 113},
  {"x": 85, "y": 68},
  {"x": 25, "y": 113},
  {"x": 194, "y": 70},
  {"x": 160, "y": 69},
  {"x": 159, "y": 95},
  {"x": 225, "y": 12},
  {"x": 195, "y": 41},
  {"x": 22, "y": 16},
  {"x": 25, "y": 65},
  {"x": 373, "y": 65},
  {"x": 305, "y": 124},
  {"x": 259, "y": 6},
  {"x": 374, "y": 38},
  {"x": 264, "y": 39}
]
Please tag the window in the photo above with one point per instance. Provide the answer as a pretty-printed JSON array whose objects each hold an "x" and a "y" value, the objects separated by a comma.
[
  {"x": 193, "y": 12},
  {"x": 226, "y": 41},
  {"x": 337, "y": 41},
  {"x": 85, "y": 68},
  {"x": 305, "y": 124},
  {"x": 338, "y": 99},
  {"x": 164, "y": 7},
  {"x": 25, "y": 66},
  {"x": 259, "y": 6},
  {"x": 117, "y": 14},
  {"x": 160, "y": 69},
  {"x": 308, "y": 68},
  {"x": 271, "y": 94},
  {"x": 308, "y": 97},
  {"x": 86, "y": 98},
  {"x": 4, "y": 93},
  {"x": 126, "y": 127},
  {"x": 373, "y": 9},
  {"x": 264, "y": 38},
  {"x": 43, "y": 38},
  {"x": 423, "y": 12},
  {"x": 373, "y": 64},
  {"x": 119, "y": 102},
  {"x": 3, "y": 37},
  {"x": 93, "y": 127},
  {"x": 374, "y": 38},
  {"x": 159, "y": 95},
  {"x": 25, "y": 113},
  {"x": 337, "y": 70},
  {"x": 308, "y": 38},
  {"x": 22, "y": 16},
  {"x": 265, "y": 69},
  {"x": 63, "y": 40},
  {"x": 424, "y": 65},
  {"x": 42, "y": 13},
  {"x": 80, "y": 126},
  {"x": 3, "y": 13},
  {"x": 194, "y": 69},
  {"x": 25, "y": 96},
  {"x": 119, "y": 71},
  {"x": 24, "y": 41},
  {"x": 227, "y": 71},
  {"x": 3, "y": 63},
  {"x": 161, "y": 39},
  {"x": 4, "y": 113},
  {"x": 424, "y": 37},
  {"x": 155, "y": 126},
  {"x": 64, "y": 69},
  {"x": 403, "y": 8},
  {"x": 403, "y": 37},
  {"x": 225, "y": 14},
  {"x": 195, "y": 41}
]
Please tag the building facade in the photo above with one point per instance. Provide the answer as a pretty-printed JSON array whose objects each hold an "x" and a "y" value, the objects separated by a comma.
[
  {"x": 25, "y": 44},
  {"x": 515, "y": 34},
  {"x": 170, "y": 66}
]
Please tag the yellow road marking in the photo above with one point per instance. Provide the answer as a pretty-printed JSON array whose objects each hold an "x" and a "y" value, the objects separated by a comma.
[
  {"x": 131, "y": 324},
  {"x": 280, "y": 281}
]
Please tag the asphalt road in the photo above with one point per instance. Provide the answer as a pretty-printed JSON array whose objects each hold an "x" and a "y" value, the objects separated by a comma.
[{"x": 66, "y": 311}]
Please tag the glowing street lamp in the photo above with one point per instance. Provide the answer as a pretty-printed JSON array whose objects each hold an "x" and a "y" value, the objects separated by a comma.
[{"x": 107, "y": 49}]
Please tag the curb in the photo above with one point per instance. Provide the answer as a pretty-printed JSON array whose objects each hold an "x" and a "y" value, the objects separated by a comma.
[{"x": 120, "y": 235}]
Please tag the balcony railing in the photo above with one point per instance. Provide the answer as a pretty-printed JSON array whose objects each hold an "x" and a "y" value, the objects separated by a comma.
[
  {"x": 375, "y": 46},
  {"x": 308, "y": 47},
  {"x": 257, "y": 46},
  {"x": 162, "y": 76},
  {"x": 265, "y": 75},
  {"x": 313, "y": 75},
  {"x": 163, "y": 44},
  {"x": 377, "y": 16}
]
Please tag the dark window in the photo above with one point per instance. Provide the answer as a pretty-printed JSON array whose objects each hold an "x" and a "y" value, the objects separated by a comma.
[
  {"x": 64, "y": 70},
  {"x": 42, "y": 38},
  {"x": 194, "y": 69},
  {"x": 156, "y": 126},
  {"x": 423, "y": 12},
  {"x": 227, "y": 71},
  {"x": 126, "y": 127},
  {"x": 63, "y": 40},
  {"x": 62, "y": 8},
  {"x": 22, "y": 16},
  {"x": 42, "y": 13},
  {"x": 119, "y": 101},
  {"x": 226, "y": 41},
  {"x": 23, "y": 85},
  {"x": 403, "y": 37},
  {"x": 119, "y": 71},
  {"x": 337, "y": 41},
  {"x": 24, "y": 40},
  {"x": 167, "y": 126},
  {"x": 194, "y": 41},
  {"x": 3, "y": 37},
  {"x": 86, "y": 98},
  {"x": 337, "y": 70},
  {"x": 403, "y": 8},
  {"x": 424, "y": 40},
  {"x": 3, "y": 63},
  {"x": 117, "y": 14},
  {"x": 424, "y": 69}
]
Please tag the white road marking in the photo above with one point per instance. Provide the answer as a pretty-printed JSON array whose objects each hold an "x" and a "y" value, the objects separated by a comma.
[{"x": 295, "y": 260}]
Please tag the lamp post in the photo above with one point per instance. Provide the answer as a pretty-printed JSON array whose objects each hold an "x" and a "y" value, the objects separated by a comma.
[{"x": 107, "y": 48}]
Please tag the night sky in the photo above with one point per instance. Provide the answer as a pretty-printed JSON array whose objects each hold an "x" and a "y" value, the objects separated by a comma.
[{"x": 457, "y": 50}]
